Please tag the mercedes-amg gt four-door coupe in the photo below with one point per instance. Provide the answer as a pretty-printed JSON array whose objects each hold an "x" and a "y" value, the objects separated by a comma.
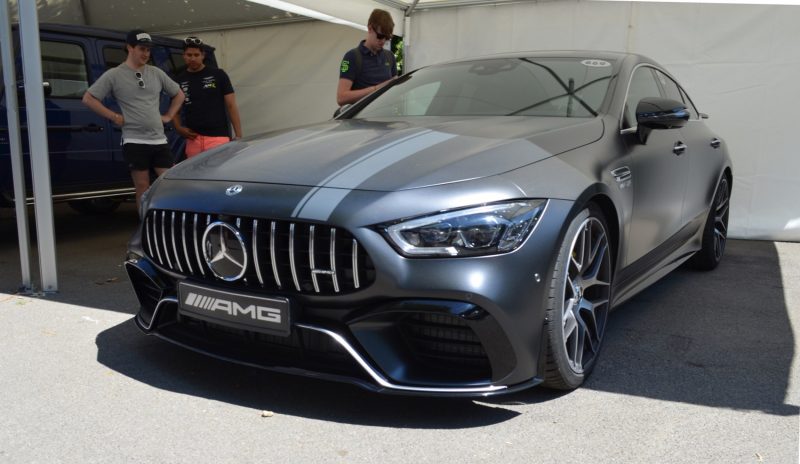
[{"x": 462, "y": 231}]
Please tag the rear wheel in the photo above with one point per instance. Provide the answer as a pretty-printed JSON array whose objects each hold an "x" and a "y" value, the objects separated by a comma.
[
  {"x": 715, "y": 233},
  {"x": 95, "y": 206},
  {"x": 579, "y": 301}
]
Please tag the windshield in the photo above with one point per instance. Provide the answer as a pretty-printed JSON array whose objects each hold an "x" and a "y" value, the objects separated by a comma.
[{"x": 556, "y": 87}]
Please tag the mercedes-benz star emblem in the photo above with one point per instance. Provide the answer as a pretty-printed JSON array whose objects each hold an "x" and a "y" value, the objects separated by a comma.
[
  {"x": 234, "y": 190},
  {"x": 224, "y": 251}
]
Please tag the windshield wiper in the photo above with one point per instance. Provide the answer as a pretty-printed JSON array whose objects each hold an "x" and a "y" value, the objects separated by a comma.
[{"x": 571, "y": 93}]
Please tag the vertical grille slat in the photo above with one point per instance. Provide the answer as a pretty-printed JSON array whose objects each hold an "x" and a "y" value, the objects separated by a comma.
[
  {"x": 356, "y": 281},
  {"x": 183, "y": 240},
  {"x": 164, "y": 237},
  {"x": 196, "y": 250},
  {"x": 256, "y": 260},
  {"x": 174, "y": 246},
  {"x": 291, "y": 257},
  {"x": 311, "y": 233},
  {"x": 333, "y": 260},
  {"x": 155, "y": 240},
  {"x": 273, "y": 254},
  {"x": 336, "y": 263},
  {"x": 147, "y": 222}
]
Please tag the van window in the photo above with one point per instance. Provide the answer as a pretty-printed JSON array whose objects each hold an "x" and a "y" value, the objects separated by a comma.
[
  {"x": 64, "y": 67},
  {"x": 113, "y": 57},
  {"x": 178, "y": 65}
]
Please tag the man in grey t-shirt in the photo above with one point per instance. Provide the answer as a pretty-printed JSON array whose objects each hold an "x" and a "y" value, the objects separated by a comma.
[{"x": 137, "y": 87}]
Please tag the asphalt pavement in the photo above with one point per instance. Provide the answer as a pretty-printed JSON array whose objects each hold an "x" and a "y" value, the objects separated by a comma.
[{"x": 702, "y": 367}]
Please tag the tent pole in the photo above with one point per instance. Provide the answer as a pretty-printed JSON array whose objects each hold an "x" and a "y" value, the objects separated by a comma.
[
  {"x": 37, "y": 143},
  {"x": 15, "y": 147}
]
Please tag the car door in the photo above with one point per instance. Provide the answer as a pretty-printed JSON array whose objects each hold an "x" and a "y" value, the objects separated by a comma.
[
  {"x": 658, "y": 174},
  {"x": 702, "y": 153},
  {"x": 77, "y": 137}
]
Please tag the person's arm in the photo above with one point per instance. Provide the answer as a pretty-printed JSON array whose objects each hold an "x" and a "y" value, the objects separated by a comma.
[
  {"x": 174, "y": 106},
  {"x": 233, "y": 113},
  {"x": 184, "y": 132},
  {"x": 345, "y": 94},
  {"x": 98, "y": 107}
]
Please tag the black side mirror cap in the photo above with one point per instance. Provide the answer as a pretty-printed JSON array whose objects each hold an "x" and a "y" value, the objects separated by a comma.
[{"x": 661, "y": 113}]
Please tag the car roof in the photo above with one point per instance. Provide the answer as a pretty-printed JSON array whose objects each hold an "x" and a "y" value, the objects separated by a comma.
[{"x": 617, "y": 56}]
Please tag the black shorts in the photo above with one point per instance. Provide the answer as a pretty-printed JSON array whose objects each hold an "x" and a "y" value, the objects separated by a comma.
[{"x": 142, "y": 157}]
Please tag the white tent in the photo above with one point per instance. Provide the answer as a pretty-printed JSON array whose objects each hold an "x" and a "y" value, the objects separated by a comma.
[{"x": 739, "y": 62}]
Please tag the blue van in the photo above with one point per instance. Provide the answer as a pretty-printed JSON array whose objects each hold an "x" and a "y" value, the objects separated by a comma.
[{"x": 86, "y": 164}]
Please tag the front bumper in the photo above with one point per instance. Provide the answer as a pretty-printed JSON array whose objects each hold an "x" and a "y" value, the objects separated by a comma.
[{"x": 434, "y": 327}]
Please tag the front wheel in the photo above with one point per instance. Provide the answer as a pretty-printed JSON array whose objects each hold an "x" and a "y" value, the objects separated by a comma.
[{"x": 579, "y": 301}]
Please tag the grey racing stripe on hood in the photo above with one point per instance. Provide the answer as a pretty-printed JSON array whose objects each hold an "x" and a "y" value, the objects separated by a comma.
[{"x": 320, "y": 202}]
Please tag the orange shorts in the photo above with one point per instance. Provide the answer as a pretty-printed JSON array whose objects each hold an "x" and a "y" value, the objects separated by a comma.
[{"x": 202, "y": 143}]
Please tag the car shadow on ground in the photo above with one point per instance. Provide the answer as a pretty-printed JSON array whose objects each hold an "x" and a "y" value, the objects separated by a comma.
[
  {"x": 163, "y": 365},
  {"x": 719, "y": 339}
]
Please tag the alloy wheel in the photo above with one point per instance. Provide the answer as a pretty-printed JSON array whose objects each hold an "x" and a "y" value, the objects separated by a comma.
[
  {"x": 587, "y": 292},
  {"x": 721, "y": 209}
]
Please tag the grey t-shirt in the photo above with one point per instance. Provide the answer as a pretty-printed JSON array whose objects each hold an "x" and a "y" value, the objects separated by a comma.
[{"x": 140, "y": 105}]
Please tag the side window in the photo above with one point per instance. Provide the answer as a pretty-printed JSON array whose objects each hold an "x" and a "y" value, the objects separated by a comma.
[
  {"x": 643, "y": 84},
  {"x": 689, "y": 104},
  {"x": 178, "y": 65},
  {"x": 674, "y": 92},
  {"x": 113, "y": 56},
  {"x": 64, "y": 67},
  {"x": 671, "y": 89}
]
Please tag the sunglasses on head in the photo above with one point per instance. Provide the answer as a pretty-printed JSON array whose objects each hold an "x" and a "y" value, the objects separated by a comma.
[
  {"x": 139, "y": 80},
  {"x": 192, "y": 41}
]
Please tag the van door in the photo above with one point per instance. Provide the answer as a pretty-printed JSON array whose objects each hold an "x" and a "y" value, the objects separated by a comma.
[{"x": 78, "y": 139}]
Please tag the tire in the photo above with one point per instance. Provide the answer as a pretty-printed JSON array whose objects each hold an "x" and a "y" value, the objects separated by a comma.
[
  {"x": 95, "y": 206},
  {"x": 715, "y": 231},
  {"x": 579, "y": 301}
]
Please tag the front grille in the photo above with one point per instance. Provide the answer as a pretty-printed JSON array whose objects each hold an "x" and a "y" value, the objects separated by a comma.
[
  {"x": 444, "y": 341},
  {"x": 284, "y": 255}
]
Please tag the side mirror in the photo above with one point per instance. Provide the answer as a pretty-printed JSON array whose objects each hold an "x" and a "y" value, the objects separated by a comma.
[
  {"x": 661, "y": 113},
  {"x": 341, "y": 109}
]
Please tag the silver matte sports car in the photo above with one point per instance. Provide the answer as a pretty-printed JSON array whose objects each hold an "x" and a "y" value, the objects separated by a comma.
[{"x": 463, "y": 231}]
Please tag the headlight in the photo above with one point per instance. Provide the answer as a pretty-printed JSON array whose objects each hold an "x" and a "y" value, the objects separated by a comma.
[{"x": 482, "y": 230}]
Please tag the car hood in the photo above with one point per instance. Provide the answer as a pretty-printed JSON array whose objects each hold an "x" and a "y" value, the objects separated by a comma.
[{"x": 391, "y": 155}]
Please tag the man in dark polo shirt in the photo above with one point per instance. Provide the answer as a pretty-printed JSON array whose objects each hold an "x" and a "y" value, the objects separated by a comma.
[
  {"x": 369, "y": 66},
  {"x": 210, "y": 101}
]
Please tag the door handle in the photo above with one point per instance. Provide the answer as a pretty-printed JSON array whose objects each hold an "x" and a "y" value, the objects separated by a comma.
[
  {"x": 679, "y": 148},
  {"x": 715, "y": 142},
  {"x": 93, "y": 128}
]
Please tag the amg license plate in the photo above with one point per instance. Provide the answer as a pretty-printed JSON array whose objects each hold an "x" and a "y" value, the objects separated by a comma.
[{"x": 237, "y": 310}]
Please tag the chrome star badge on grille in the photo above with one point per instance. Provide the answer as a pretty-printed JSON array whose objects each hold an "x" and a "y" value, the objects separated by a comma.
[{"x": 224, "y": 251}]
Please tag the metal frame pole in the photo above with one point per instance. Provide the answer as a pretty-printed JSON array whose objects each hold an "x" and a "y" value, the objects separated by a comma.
[
  {"x": 37, "y": 142},
  {"x": 15, "y": 145}
]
